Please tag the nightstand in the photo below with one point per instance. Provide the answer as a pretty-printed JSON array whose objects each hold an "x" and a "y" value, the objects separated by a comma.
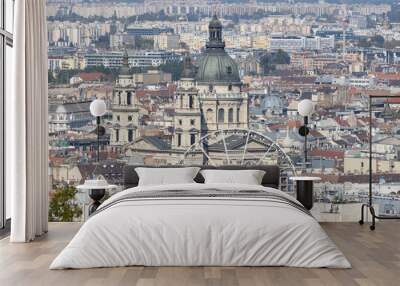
[
  {"x": 97, "y": 190},
  {"x": 304, "y": 190}
]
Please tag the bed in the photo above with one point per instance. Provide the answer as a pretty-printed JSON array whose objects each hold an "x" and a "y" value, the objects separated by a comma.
[{"x": 198, "y": 224}]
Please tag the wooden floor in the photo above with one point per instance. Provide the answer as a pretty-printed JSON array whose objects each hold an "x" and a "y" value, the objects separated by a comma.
[{"x": 375, "y": 257}]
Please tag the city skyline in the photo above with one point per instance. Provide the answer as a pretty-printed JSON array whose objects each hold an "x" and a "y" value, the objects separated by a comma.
[{"x": 332, "y": 54}]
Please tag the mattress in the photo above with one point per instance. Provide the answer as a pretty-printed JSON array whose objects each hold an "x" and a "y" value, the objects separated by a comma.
[{"x": 201, "y": 225}]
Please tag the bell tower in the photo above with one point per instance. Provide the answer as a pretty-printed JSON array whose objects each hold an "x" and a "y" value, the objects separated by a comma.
[
  {"x": 125, "y": 120},
  {"x": 187, "y": 119}
]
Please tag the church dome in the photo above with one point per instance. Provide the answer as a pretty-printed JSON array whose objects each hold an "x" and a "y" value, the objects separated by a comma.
[{"x": 215, "y": 65}]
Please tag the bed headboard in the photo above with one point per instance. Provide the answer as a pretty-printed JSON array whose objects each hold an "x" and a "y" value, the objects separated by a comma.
[{"x": 271, "y": 177}]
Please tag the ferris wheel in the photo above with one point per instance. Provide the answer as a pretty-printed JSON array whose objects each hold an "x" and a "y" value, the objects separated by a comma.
[{"x": 240, "y": 147}]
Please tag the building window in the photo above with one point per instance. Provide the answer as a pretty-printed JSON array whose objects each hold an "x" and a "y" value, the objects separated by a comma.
[
  {"x": 118, "y": 118},
  {"x": 130, "y": 135},
  {"x": 192, "y": 139},
  {"x": 119, "y": 98},
  {"x": 209, "y": 115},
  {"x": 230, "y": 115},
  {"x": 179, "y": 143},
  {"x": 6, "y": 46},
  {"x": 229, "y": 70},
  {"x": 190, "y": 101},
  {"x": 180, "y": 121},
  {"x": 192, "y": 122},
  {"x": 116, "y": 135},
  {"x": 129, "y": 98},
  {"x": 230, "y": 87},
  {"x": 210, "y": 88},
  {"x": 129, "y": 118},
  {"x": 238, "y": 115},
  {"x": 221, "y": 115}
]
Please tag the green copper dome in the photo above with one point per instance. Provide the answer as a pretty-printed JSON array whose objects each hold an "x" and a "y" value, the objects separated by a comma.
[{"x": 215, "y": 65}]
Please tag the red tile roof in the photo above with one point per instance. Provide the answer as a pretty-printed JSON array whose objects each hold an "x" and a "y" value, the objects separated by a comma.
[
  {"x": 387, "y": 76},
  {"x": 332, "y": 154},
  {"x": 342, "y": 122},
  {"x": 294, "y": 123},
  {"x": 92, "y": 76}
]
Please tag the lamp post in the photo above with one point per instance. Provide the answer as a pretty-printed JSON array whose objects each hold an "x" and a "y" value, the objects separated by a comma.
[
  {"x": 97, "y": 109},
  {"x": 97, "y": 187},
  {"x": 305, "y": 109}
]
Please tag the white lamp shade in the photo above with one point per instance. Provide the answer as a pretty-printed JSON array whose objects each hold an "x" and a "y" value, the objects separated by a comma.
[
  {"x": 98, "y": 107},
  {"x": 305, "y": 107}
]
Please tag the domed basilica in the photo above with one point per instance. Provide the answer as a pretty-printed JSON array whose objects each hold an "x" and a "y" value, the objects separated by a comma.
[{"x": 209, "y": 97}]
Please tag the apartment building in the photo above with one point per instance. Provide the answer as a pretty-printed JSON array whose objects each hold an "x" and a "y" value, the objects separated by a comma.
[
  {"x": 301, "y": 43},
  {"x": 136, "y": 59}
]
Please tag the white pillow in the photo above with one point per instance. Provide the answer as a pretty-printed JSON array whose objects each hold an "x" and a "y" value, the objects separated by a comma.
[
  {"x": 166, "y": 176},
  {"x": 247, "y": 177}
]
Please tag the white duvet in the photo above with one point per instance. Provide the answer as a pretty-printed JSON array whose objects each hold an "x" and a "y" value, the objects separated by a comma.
[{"x": 202, "y": 232}]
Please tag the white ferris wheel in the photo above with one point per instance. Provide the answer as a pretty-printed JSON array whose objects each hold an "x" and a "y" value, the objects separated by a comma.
[{"x": 240, "y": 147}]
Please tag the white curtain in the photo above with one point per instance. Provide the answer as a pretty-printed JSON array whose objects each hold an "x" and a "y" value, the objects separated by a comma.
[{"x": 26, "y": 124}]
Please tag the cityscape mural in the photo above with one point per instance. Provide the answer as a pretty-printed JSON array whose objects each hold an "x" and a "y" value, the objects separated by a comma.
[{"x": 219, "y": 83}]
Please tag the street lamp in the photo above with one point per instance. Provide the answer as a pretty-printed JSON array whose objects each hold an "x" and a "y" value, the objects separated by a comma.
[
  {"x": 98, "y": 108},
  {"x": 305, "y": 109}
]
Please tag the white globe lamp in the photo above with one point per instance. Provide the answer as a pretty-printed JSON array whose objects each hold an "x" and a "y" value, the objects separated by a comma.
[
  {"x": 98, "y": 107},
  {"x": 305, "y": 107}
]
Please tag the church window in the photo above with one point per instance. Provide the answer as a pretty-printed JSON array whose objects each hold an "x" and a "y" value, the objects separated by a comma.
[
  {"x": 130, "y": 135},
  {"x": 209, "y": 115},
  {"x": 190, "y": 101},
  {"x": 230, "y": 115},
  {"x": 192, "y": 139},
  {"x": 129, "y": 98},
  {"x": 221, "y": 115},
  {"x": 179, "y": 143}
]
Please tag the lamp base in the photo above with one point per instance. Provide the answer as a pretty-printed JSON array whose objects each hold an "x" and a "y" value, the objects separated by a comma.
[
  {"x": 304, "y": 192},
  {"x": 96, "y": 195},
  {"x": 304, "y": 131}
]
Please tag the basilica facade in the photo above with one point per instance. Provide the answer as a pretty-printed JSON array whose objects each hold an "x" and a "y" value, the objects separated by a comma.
[{"x": 209, "y": 97}]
